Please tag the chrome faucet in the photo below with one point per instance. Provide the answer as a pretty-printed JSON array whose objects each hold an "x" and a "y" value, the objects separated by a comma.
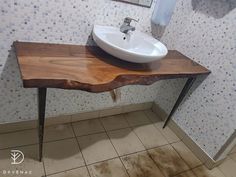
[{"x": 126, "y": 27}]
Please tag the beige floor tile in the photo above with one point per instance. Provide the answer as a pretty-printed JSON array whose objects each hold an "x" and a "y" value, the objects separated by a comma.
[
  {"x": 110, "y": 168},
  {"x": 19, "y": 138},
  {"x": 186, "y": 154},
  {"x": 150, "y": 136},
  {"x": 233, "y": 156},
  {"x": 228, "y": 167},
  {"x": 202, "y": 171},
  {"x": 87, "y": 127},
  {"x": 186, "y": 174},
  {"x": 152, "y": 116},
  {"x": 125, "y": 141},
  {"x": 170, "y": 136},
  {"x": 62, "y": 155},
  {"x": 114, "y": 122},
  {"x": 96, "y": 148},
  {"x": 30, "y": 163},
  {"x": 137, "y": 118},
  {"x": 58, "y": 132},
  {"x": 141, "y": 165},
  {"x": 233, "y": 150},
  {"x": 168, "y": 160},
  {"x": 78, "y": 172}
]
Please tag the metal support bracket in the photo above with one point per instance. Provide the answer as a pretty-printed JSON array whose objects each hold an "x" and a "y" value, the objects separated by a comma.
[
  {"x": 183, "y": 93},
  {"x": 41, "y": 118}
]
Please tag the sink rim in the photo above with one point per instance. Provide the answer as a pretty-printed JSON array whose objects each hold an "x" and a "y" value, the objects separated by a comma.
[{"x": 100, "y": 41}]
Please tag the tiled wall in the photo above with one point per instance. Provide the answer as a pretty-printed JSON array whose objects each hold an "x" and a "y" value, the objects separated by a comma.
[
  {"x": 205, "y": 34},
  {"x": 208, "y": 36}
]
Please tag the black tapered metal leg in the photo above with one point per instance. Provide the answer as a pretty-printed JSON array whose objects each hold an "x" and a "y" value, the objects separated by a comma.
[
  {"x": 185, "y": 90},
  {"x": 41, "y": 117}
]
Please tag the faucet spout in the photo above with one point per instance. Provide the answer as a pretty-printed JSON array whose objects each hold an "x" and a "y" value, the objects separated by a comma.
[{"x": 126, "y": 27}]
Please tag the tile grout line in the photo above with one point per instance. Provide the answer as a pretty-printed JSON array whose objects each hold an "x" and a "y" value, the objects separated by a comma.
[
  {"x": 222, "y": 171},
  {"x": 180, "y": 155},
  {"x": 195, "y": 168},
  {"x": 114, "y": 147},
  {"x": 160, "y": 146},
  {"x": 63, "y": 123},
  {"x": 180, "y": 139},
  {"x": 50, "y": 141},
  {"x": 67, "y": 169},
  {"x": 146, "y": 150},
  {"x": 64, "y": 171},
  {"x": 123, "y": 116},
  {"x": 226, "y": 159},
  {"x": 80, "y": 150},
  {"x": 18, "y": 131},
  {"x": 25, "y": 145},
  {"x": 106, "y": 131},
  {"x": 170, "y": 143},
  {"x": 185, "y": 172},
  {"x": 160, "y": 130},
  {"x": 44, "y": 169},
  {"x": 71, "y": 124},
  {"x": 21, "y": 146},
  {"x": 79, "y": 136}
]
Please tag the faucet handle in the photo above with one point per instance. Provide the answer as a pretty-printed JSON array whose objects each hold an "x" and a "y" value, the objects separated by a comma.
[{"x": 128, "y": 20}]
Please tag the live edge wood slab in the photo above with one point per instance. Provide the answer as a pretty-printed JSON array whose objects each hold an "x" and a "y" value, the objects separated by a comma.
[
  {"x": 87, "y": 68},
  {"x": 91, "y": 69}
]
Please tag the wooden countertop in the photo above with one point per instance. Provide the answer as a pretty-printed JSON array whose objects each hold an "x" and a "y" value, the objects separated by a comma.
[{"x": 91, "y": 69}]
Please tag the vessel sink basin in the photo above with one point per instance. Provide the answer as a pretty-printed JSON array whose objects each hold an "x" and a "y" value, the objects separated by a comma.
[{"x": 136, "y": 47}]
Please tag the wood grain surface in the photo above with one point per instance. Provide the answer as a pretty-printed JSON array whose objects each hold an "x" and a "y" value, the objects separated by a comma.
[{"x": 91, "y": 69}]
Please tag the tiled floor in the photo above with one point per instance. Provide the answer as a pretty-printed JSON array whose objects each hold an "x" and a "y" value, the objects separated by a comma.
[{"x": 127, "y": 145}]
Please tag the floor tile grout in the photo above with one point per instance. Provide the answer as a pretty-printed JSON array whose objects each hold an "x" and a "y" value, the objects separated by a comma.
[
  {"x": 148, "y": 152},
  {"x": 129, "y": 126},
  {"x": 106, "y": 132},
  {"x": 100, "y": 132},
  {"x": 50, "y": 141},
  {"x": 21, "y": 146},
  {"x": 18, "y": 131},
  {"x": 180, "y": 156},
  {"x": 45, "y": 142},
  {"x": 68, "y": 123},
  {"x": 162, "y": 128},
  {"x": 222, "y": 171},
  {"x": 183, "y": 172},
  {"x": 81, "y": 151},
  {"x": 64, "y": 171},
  {"x": 115, "y": 149},
  {"x": 44, "y": 169},
  {"x": 122, "y": 162}
]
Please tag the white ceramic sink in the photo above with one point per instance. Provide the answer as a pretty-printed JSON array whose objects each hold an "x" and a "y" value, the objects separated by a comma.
[{"x": 136, "y": 47}]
